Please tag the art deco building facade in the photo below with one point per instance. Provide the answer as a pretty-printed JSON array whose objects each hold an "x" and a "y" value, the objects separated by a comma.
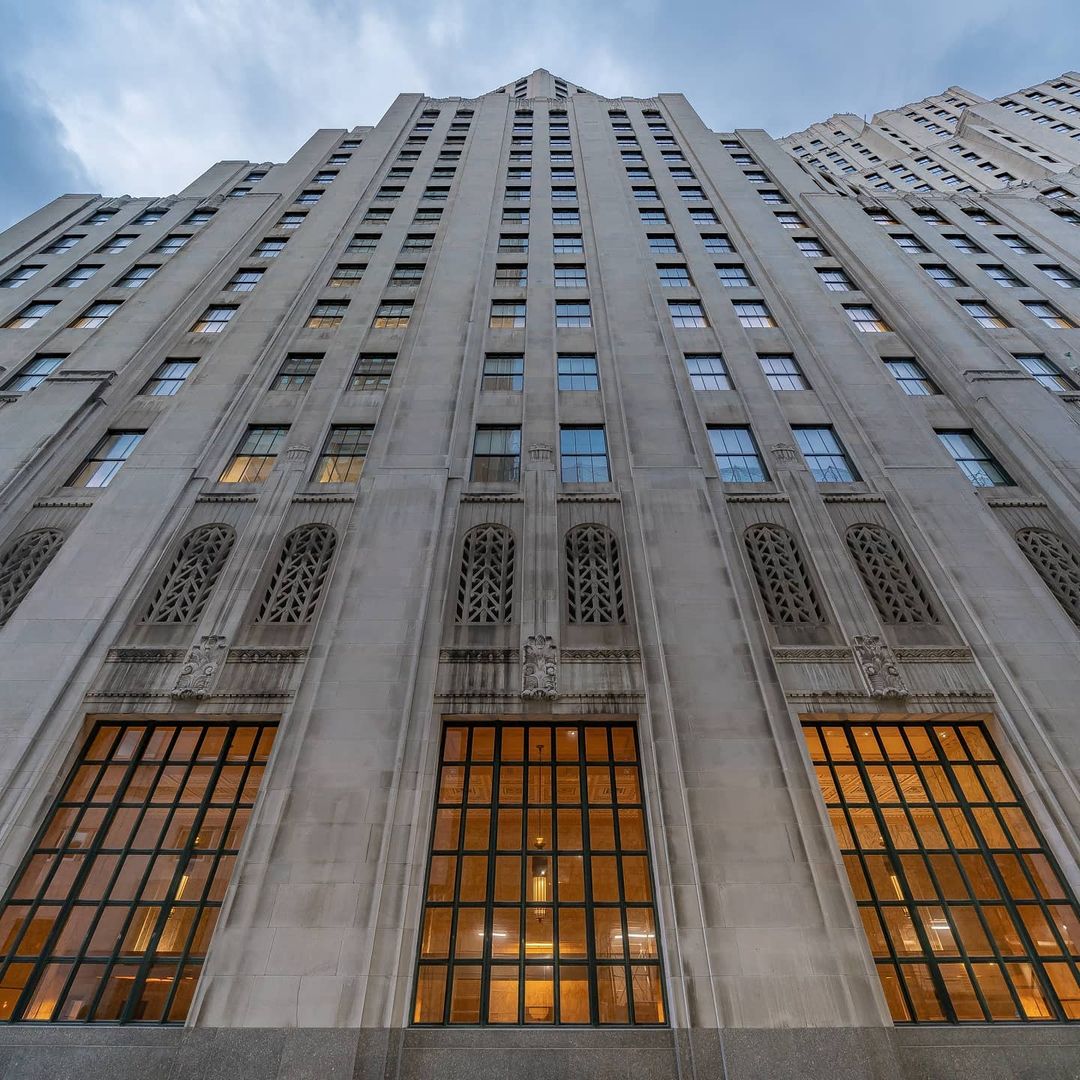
[{"x": 537, "y": 587}]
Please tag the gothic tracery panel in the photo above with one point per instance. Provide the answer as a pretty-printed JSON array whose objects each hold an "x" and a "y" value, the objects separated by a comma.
[
  {"x": 296, "y": 584},
  {"x": 782, "y": 577},
  {"x": 889, "y": 577},
  {"x": 22, "y": 562},
  {"x": 1057, "y": 562},
  {"x": 486, "y": 582},
  {"x": 183, "y": 592},
  {"x": 594, "y": 584}
]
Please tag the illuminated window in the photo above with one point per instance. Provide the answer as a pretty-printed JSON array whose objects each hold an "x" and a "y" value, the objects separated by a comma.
[
  {"x": 964, "y": 910},
  {"x": 106, "y": 459},
  {"x": 372, "y": 372},
  {"x": 214, "y": 319},
  {"x": 111, "y": 914},
  {"x": 539, "y": 903},
  {"x": 255, "y": 456},
  {"x": 343, "y": 454},
  {"x": 297, "y": 372},
  {"x": 496, "y": 454}
]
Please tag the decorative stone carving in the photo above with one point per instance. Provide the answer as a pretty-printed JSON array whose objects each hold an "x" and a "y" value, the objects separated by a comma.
[
  {"x": 782, "y": 577},
  {"x": 540, "y": 668},
  {"x": 889, "y": 577},
  {"x": 594, "y": 585},
  {"x": 486, "y": 580},
  {"x": 540, "y": 452},
  {"x": 297, "y": 452},
  {"x": 294, "y": 589},
  {"x": 784, "y": 452},
  {"x": 22, "y": 562},
  {"x": 183, "y": 592},
  {"x": 200, "y": 667},
  {"x": 879, "y": 667}
]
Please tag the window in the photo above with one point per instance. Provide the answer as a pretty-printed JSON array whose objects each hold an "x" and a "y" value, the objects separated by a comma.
[
  {"x": 183, "y": 592},
  {"x": 22, "y": 561},
  {"x": 692, "y": 194},
  {"x": 570, "y": 276},
  {"x": 406, "y": 276},
  {"x": 718, "y": 243},
  {"x": 983, "y": 314},
  {"x": 652, "y": 217},
  {"x": 583, "y": 455},
  {"x": 339, "y": 159},
  {"x": 508, "y": 276},
  {"x": 594, "y": 585},
  {"x": 269, "y": 249},
  {"x": 199, "y": 217},
  {"x": 343, "y": 454},
  {"x": 254, "y": 457},
  {"x": 921, "y": 809},
  {"x": 326, "y": 177},
  {"x": 517, "y": 194},
  {"x": 244, "y": 280},
  {"x": 33, "y": 373},
  {"x": 149, "y": 217},
  {"x": 214, "y": 320},
  {"x": 736, "y": 454},
  {"x": 836, "y": 280},
  {"x": 507, "y": 314},
  {"x": 436, "y": 194},
  {"x": 734, "y": 277},
  {"x": 379, "y": 215},
  {"x": 1048, "y": 314},
  {"x": 62, "y": 244},
  {"x": 912, "y": 245},
  {"x": 964, "y": 243},
  {"x": 96, "y": 315},
  {"x": 297, "y": 372},
  {"x": 503, "y": 969},
  {"x": 136, "y": 277},
  {"x": 105, "y": 459},
  {"x": 866, "y": 319},
  {"x": 362, "y": 242},
  {"x": 687, "y": 314},
  {"x": 392, "y": 314},
  {"x": 18, "y": 278},
  {"x": 515, "y": 217},
  {"x": 708, "y": 372},
  {"x": 30, "y": 315},
  {"x": 74, "y": 278},
  {"x": 168, "y": 378},
  {"x": 911, "y": 378},
  {"x": 117, "y": 243},
  {"x": 944, "y": 277},
  {"x": 645, "y": 194},
  {"x": 566, "y": 217},
  {"x": 514, "y": 242},
  {"x": 308, "y": 197},
  {"x": 503, "y": 373},
  {"x": 578, "y": 372},
  {"x": 496, "y": 455},
  {"x": 782, "y": 372},
  {"x": 156, "y": 972},
  {"x": 564, "y": 194},
  {"x": 238, "y": 193},
  {"x": 700, "y": 216},
  {"x": 783, "y": 581},
  {"x": 771, "y": 196},
  {"x": 1057, "y": 563},
  {"x": 486, "y": 580},
  {"x": 974, "y": 459},
  {"x": 1061, "y": 276},
  {"x": 811, "y": 247},
  {"x": 754, "y": 314},
  {"x": 1046, "y": 373},
  {"x": 674, "y": 276},
  {"x": 754, "y": 176},
  {"x": 824, "y": 455},
  {"x": 346, "y": 275},
  {"x": 662, "y": 244},
  {"x": 1017, "y": 244},
  {"x": 1003, "y": 276},
  {"x": 372, "y": 372},
  {"x": 789, "y": 220},
  {"x": 889, "y": 576}
]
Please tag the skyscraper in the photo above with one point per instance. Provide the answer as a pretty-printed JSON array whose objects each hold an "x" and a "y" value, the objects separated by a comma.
[{"x": 540, "y": 587}]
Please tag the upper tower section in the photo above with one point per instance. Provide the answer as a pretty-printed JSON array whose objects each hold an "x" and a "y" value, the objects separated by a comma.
[{"x": 541, "y": 83}]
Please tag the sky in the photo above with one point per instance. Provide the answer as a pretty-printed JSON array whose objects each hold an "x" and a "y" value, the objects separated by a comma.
[{"x": 138, "y": 97}]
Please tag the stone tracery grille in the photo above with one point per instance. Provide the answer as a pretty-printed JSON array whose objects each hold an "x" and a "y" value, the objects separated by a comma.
[
  {"x": 889, "y": 576},
  {"x": 782, "y": 577},
  {"x": 486, "y": 583},
  {"x": 594, "y": 585},
  {"x": 187, "y": 584},
  {"x": 22, "y": 562},
  {"x": 298, "y": 579},
  {"x": 1057, "y": 563}
]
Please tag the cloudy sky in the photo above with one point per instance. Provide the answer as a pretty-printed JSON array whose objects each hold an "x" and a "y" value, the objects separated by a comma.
[{"x": 137, "y": 97}]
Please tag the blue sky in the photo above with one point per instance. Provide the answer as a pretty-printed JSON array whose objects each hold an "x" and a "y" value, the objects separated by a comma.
[{"x": 137, "y": 97}]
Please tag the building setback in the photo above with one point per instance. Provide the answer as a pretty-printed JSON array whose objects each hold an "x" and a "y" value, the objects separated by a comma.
[{"x": 537, "y": 587}]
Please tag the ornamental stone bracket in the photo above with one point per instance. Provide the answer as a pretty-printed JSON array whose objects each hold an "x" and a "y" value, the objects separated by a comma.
[
  {"x": 879, "y": 667},
  {"x": 540, "y": 668},
  {"x": 200, "y": 667}
]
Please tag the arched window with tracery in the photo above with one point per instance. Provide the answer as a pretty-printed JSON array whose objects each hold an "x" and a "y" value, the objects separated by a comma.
[
  {"x": 594, "y": 582},
  {"x": 22, "y": 562},
  {"x": 782, "y": 577},
  {"x": 294, "y": 589},
  {"x": 1057, "y": 562},
  {"x": 187, "y": 584},
  {"x": 486, "y": 582},
  {"x": 889, "y": 577}
]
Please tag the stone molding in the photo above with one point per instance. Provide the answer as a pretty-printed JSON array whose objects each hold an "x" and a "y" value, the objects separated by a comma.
[
  {"x": 57, "y": 503},
  {"x": 601, "y": 656},
  {"x": 761, "y": 498},
  {"x": 867, "y": 497},
  {"x": 473, "y": 497},
  {"x": 324, "y": 498},
  {"x": 137, "y": 655},
  {"x": 932, "y": 655},
  {"x": 87, "y": 375},
  {"x": 812, "y": 655},
  {"x": 567, "y": 498},
  {"x": 1006, "y": 503},
  {"x": 213, "y": 497},
  {"x": 271, "y": 655},
  {"x": 478, "y": 656}
]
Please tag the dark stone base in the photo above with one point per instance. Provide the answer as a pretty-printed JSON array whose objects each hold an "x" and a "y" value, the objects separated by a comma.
[{"x": 974, "y": 1053}]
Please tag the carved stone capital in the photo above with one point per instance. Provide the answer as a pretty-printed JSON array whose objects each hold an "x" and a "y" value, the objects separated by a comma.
[
  {"x": 200, "y": 667},
  {"x": 297, "y": 452},
  {"x": 540, "y": 668},
  {"x": 879, "y": 667},
  {"x": 784, "y": 452}
]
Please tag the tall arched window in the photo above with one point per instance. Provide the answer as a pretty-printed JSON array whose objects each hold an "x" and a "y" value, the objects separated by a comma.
[
  {"x": 889, "y": 577},
  {"x": 299, "y": 576},
  {"x": 594, "y": 584},
  {"x": 1057, "y": 562},
  {"x": 187, "y": 584},
  {"x": 486, "y": 583},
  {"x": 782, "y": 578},
  {"x": 22, "y": 562}
]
